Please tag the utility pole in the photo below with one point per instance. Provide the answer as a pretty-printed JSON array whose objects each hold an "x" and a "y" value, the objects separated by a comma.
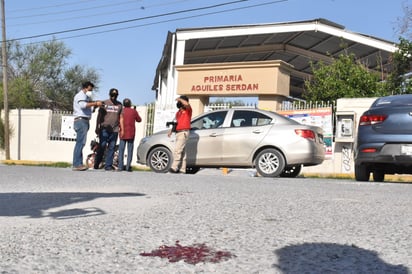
[{"x": 5, "y": 88}]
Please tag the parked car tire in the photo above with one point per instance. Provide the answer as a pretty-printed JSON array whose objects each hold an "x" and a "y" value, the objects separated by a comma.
[
  {"x": 270, "y": 163},
  {"x": 362, "y": 173},
  {"x": 378, "y": 176},
  {"x": 291, "y": 171},
  {"x": 160, "y": 160}
]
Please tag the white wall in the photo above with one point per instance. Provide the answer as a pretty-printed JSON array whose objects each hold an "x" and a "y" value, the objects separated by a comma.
[{"x": 34, "y": 143}]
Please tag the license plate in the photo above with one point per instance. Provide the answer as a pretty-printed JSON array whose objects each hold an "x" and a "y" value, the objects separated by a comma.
[{"x": 406, "y": 149}]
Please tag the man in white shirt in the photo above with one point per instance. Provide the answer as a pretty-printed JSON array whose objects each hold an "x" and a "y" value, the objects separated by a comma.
[{"x": 82, "y": 112}]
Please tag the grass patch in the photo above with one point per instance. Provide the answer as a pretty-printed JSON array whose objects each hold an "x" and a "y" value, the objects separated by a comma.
[
  {"x": 395, "y": 178},
  {"x": 329, "y": 175},
  {"x": 37, "y": 163},
  {"x": 56, "y": 164}
]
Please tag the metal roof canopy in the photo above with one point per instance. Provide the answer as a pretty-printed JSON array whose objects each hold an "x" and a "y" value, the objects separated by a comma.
[{"x": 297, "y": 43}]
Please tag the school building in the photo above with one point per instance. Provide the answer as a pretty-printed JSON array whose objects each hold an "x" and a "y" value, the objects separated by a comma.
[{"x": 267, "y": 61}]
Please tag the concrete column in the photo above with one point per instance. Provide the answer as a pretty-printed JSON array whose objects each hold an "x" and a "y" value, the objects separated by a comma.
[
  {"x": 198, "y": 104},
  {"x": 270, "y": 102}
]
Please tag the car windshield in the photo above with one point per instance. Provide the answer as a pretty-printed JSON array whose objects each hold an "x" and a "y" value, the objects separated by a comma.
[{"x": 400, "y": 100}]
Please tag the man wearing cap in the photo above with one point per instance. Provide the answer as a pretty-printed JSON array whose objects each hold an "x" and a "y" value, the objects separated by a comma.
[{"x": 183, "y": 119}]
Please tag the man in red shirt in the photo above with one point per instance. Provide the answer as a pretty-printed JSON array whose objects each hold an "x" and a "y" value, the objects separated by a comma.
[
  {"x": 128, "y": 118},
  {"x": 183, "y": 119}
]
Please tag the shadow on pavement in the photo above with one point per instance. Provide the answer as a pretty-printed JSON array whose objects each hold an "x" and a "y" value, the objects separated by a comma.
[
  {"x": 332, "y": 258},
  {"x": 32, "y": 204}
]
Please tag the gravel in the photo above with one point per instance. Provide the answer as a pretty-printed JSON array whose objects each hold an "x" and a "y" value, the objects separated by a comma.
[{"x": 55, "y": 220}]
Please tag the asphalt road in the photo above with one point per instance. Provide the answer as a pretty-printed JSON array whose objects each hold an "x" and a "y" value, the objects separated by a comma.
[{"x": 54, "y": 220}]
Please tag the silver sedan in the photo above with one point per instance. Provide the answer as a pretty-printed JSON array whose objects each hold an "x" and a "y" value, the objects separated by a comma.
[{"x": 240, "y": 138}]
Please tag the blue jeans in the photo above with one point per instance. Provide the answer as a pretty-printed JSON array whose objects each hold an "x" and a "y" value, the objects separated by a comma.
[
  {"x": 81, "y": 127},
  {"x": 122, "y": 146},
  {"x": 106, "y": 139}
]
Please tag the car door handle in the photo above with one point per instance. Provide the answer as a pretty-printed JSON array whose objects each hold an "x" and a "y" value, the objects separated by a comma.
[
  {"x": 257, "y": 131},
  {"x": 214, "y": 134}
]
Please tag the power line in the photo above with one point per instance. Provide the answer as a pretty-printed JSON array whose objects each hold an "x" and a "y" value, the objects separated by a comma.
[
  {"x": 169, "y": 20},
  {"x": 130, "y": 20},
  {"x": 165, "y": 4},
  {"x": 53, "y": 6},
  {"x": 141, "y": 7},
  {"x": 111, "y": 12},
  {"x": 73, "y": 10}
]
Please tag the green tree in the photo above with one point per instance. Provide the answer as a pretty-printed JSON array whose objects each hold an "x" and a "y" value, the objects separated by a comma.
[
  {"x": 399, "y": 78},
  {"x": 345, "y": 77},
  {"x": 39, "y": 76},
  {"x": 405, "y": 22},
  {"x": 61, "y": 96}
]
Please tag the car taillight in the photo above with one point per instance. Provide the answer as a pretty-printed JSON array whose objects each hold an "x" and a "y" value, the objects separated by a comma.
[
  {"x": 369, "y": 150},
  {"x": 371, "y": 119},
  {"x": 305, "y": 133}
]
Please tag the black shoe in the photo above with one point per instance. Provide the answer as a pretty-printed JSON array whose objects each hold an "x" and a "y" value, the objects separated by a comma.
[
  {"x": 171, "y": 170},
  {"x": 130, "y": 169},
  {"x": 109, "y": 168}
]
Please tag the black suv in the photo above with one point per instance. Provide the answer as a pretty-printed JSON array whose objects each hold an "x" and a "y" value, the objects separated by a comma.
[{"x": 384, "y": 141}]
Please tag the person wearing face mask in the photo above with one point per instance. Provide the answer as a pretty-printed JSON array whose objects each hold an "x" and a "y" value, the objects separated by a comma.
[
  {"x": 107, "y": 127},
  {"x": 183, "y": 119},
  {"x": 82, "y": 112}
]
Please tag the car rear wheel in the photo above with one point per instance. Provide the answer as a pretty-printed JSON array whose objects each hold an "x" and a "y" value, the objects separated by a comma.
[
  {"x": 291, "y": 171},
  {"x": 160, "y": 160},
  {"x": 378, "y": 176},
  {"x": 362, "y": 173},
  {"x": 270, "y": 163}
]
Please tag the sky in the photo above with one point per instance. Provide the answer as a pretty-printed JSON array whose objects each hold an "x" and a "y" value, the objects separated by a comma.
[{"x": 123, "y": 39}]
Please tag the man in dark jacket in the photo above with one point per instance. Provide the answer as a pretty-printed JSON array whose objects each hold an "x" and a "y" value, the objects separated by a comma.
[{"x": 107, "y": 127}]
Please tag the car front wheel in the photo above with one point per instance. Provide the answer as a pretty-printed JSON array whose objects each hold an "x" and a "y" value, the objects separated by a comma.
[
  {"x": 160, "y": 160},
  {"x": 270, "y": 163},
  {"x": 362, "y": 173}
]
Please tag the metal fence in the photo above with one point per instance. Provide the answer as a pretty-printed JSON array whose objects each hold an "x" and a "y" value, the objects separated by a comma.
[
  {"x": 58, "y": 117},
  {"x": 296, "y": 105},
  {"x": 302, "y": 105},
  {"x": 212, "y": 107},
  {"x": 150, "y": 115},
  {"x": 56, "y": 132}
]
